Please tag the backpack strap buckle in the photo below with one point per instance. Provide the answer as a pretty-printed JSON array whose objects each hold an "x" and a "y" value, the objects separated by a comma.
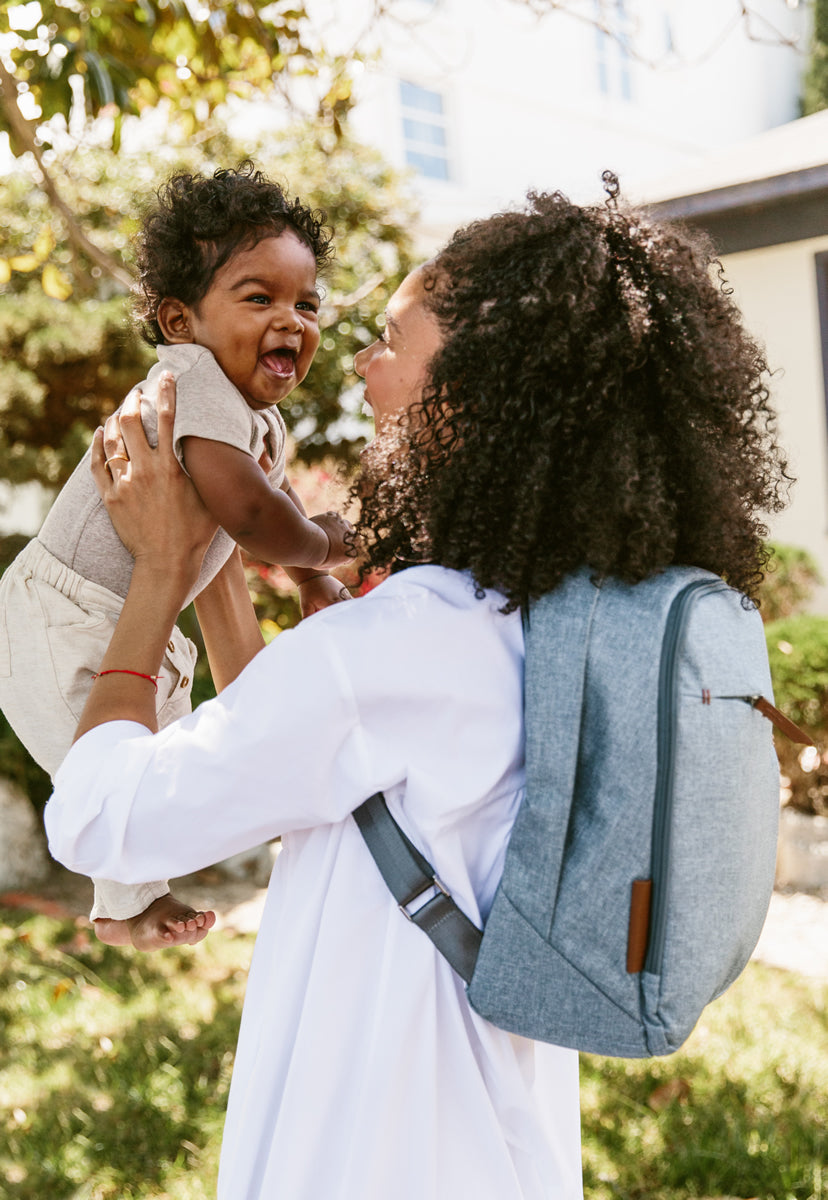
[
  {"x": 403, "y": 906},
  {"x": 409, "y": 876}
]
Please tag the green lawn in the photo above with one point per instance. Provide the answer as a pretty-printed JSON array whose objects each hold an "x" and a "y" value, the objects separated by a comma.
[
  {"x": 741, "y": 1110},
  {"x": 114, "y": 1066},
  {"x": 114, "y": 1070}
]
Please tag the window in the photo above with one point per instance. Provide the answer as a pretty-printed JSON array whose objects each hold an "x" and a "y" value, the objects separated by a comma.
[
  {"x": 612, "y": 49},
  {"x": 424, "y": 131}
]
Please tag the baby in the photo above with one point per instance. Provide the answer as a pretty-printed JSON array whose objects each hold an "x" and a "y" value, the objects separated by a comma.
[{"x": 227, "y": 275}]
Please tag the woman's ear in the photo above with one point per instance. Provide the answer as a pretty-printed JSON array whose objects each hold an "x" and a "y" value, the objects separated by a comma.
[{"x": 173, "y": 319}]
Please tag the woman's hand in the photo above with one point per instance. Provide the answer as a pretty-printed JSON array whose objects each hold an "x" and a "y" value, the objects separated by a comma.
[
  {"x": 151, "y": 501},
  {"x": 162, "y": 522}
]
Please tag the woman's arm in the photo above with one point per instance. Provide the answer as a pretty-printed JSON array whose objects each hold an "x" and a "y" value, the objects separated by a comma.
[
  {"x": 225, "y": 612},
  {"x": 167, "y": 532}
]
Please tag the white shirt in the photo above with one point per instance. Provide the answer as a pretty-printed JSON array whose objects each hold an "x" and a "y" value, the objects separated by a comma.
[{"x": 361, "y": 1072}]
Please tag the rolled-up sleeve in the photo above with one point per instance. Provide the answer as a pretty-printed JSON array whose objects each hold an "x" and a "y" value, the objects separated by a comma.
[
  {"x": 397, "y": 692},
  {"x": 282, "y": 748}
]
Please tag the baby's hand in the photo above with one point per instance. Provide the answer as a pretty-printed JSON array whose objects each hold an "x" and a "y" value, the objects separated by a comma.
[
  {"x": 320, "y": 591},
  {"x": 340, "y": 536}
]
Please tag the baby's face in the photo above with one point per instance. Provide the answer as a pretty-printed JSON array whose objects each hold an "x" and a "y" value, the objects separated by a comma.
[{"x": 260, "y": 318}]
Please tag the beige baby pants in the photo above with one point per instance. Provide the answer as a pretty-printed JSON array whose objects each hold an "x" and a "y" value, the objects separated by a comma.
[{"x": 54, "y": 630}]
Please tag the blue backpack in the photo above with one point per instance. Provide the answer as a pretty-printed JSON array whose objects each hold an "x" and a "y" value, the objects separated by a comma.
[{"x": 641, "y": 863}]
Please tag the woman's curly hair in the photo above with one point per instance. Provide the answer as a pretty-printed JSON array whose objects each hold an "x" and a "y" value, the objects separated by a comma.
[
  {"x": 595, "y": 402},
  {"x": 198, "y": 223}
]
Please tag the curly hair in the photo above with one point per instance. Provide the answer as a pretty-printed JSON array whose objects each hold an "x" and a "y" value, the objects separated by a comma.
[
  {"x": 197, "y": 224},
  {"x": 595, "y": 402}
]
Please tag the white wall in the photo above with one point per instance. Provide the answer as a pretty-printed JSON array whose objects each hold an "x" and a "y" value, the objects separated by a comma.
[
  {"x": 777, "y": 293},
  {"x": 524, "y": 99}
]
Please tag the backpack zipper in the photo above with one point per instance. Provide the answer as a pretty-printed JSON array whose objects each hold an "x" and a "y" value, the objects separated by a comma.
[
  {"x": 783, "y": 724},
  {"x": 674, "y": 631}
]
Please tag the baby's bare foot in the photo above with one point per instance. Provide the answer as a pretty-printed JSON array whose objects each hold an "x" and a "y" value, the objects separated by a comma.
[
  {"x": 114, "y": 933},
  {"x": 167, "y": 922}
]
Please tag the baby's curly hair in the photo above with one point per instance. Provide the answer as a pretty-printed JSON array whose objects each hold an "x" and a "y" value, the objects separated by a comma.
[
  {"x": 198, "y": 223},
  {"x": 595, "y": 402}
]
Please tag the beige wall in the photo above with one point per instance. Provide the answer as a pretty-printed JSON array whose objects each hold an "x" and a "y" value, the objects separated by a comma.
[{"x": 777, "y": 293}]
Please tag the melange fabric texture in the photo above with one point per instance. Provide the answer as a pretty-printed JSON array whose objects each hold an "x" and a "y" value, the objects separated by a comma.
[
  {"x": 78, "y": 530},
  {"x": 57, "y": 628},
  {"x": 361, "y": 1072}
]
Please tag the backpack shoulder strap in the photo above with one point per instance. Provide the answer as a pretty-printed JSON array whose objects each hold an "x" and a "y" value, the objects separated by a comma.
[
  {"x": 557, "y": 634},
  {"x": 553, "y": 629},
  {"x": 409, "y": 875}
]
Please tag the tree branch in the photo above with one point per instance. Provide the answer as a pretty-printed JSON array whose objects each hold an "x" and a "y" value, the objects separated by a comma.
[
  {"x": 743, "y": 13},
  {"x": 332, "y": 308},
  {"x": 24, "y": 132}
]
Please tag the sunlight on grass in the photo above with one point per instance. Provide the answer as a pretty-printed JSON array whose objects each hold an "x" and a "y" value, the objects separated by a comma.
[
  {"x": 115, "y": 1066},
  {"x": 740, "y": 1111}
]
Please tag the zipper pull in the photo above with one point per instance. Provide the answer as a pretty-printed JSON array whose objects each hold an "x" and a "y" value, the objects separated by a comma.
[{"x": 782, "y": 723}]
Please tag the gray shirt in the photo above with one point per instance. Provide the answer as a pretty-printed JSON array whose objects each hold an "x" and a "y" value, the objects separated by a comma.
[{"x": 78, "y": 531}]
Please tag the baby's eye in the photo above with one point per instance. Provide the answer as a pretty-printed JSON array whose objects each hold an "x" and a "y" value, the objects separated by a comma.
[
  {"x": 308, "y": 306},
  {"x": 259, "y": 298}
]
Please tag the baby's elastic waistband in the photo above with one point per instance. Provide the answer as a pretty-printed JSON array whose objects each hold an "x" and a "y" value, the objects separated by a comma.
[{"x": 37, "y": 561}]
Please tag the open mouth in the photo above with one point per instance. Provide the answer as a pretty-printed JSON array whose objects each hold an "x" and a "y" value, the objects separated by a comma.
[{"x": 280, "y": 362}]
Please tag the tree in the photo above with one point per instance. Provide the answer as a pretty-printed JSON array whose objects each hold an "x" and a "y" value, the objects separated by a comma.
[
  {"x": 613, "y": 18},
  {"x": 815, "y": 96},
  {"x": 72, "y": 58},
  {"x": 69, "y": 361}
]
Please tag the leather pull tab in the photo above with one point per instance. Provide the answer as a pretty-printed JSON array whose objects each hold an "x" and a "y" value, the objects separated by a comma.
[
  {"x": 781, "y": 722},
  {"x": 639, "y": 930}
]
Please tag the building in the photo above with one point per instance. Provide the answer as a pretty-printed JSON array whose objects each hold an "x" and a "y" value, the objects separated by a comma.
[
  {"x": 693, "y": 106},
  {"x": 484, "y": 99},
  {"x": 765, "y": 204}
]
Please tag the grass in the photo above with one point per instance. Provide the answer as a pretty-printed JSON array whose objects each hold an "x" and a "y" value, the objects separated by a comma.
[
  {"x": 114, "y": 1071},
  {"x": 740, "y": 1111},
  {"x": 114, "y": 1066}
]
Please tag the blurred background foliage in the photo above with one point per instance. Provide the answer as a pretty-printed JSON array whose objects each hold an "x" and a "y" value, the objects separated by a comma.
[
  {"x": 70, "y": 359},
  {"x": 70, "y": 62},
  {"x": 100, "y": 103},
  {"x": 74, "y": 78},
  {"x": 797, "y": 643},
  {"x": 815, "y": 90}
]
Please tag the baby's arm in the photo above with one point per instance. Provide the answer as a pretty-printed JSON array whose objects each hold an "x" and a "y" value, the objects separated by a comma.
[
  {"x": 317, "y": 589},
  {"x": 264, "y": 522}
]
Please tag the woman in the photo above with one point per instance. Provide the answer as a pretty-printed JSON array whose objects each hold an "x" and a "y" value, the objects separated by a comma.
[{"x": 559, "y": 386}]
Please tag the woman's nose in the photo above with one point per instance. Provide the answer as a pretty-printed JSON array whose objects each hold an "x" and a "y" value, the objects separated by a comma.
[{"x": 362, "y": 358}]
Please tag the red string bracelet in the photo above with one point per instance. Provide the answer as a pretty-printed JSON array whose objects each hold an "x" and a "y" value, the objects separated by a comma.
[{"x": 153, "y": 679}]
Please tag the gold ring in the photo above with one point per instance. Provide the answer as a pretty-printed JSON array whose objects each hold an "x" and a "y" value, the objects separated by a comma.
[{"x": 115, "y": 457}]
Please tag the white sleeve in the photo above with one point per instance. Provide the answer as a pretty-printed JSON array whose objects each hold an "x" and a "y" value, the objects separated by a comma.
[
  {"x": 282, "y": 748},
  {"x": 414, "y": 691}
]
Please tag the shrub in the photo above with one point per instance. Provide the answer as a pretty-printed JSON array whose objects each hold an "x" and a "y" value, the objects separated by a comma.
[
  {"x": 798, "y": 653},
  {"x": 792, "y": 576}
]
